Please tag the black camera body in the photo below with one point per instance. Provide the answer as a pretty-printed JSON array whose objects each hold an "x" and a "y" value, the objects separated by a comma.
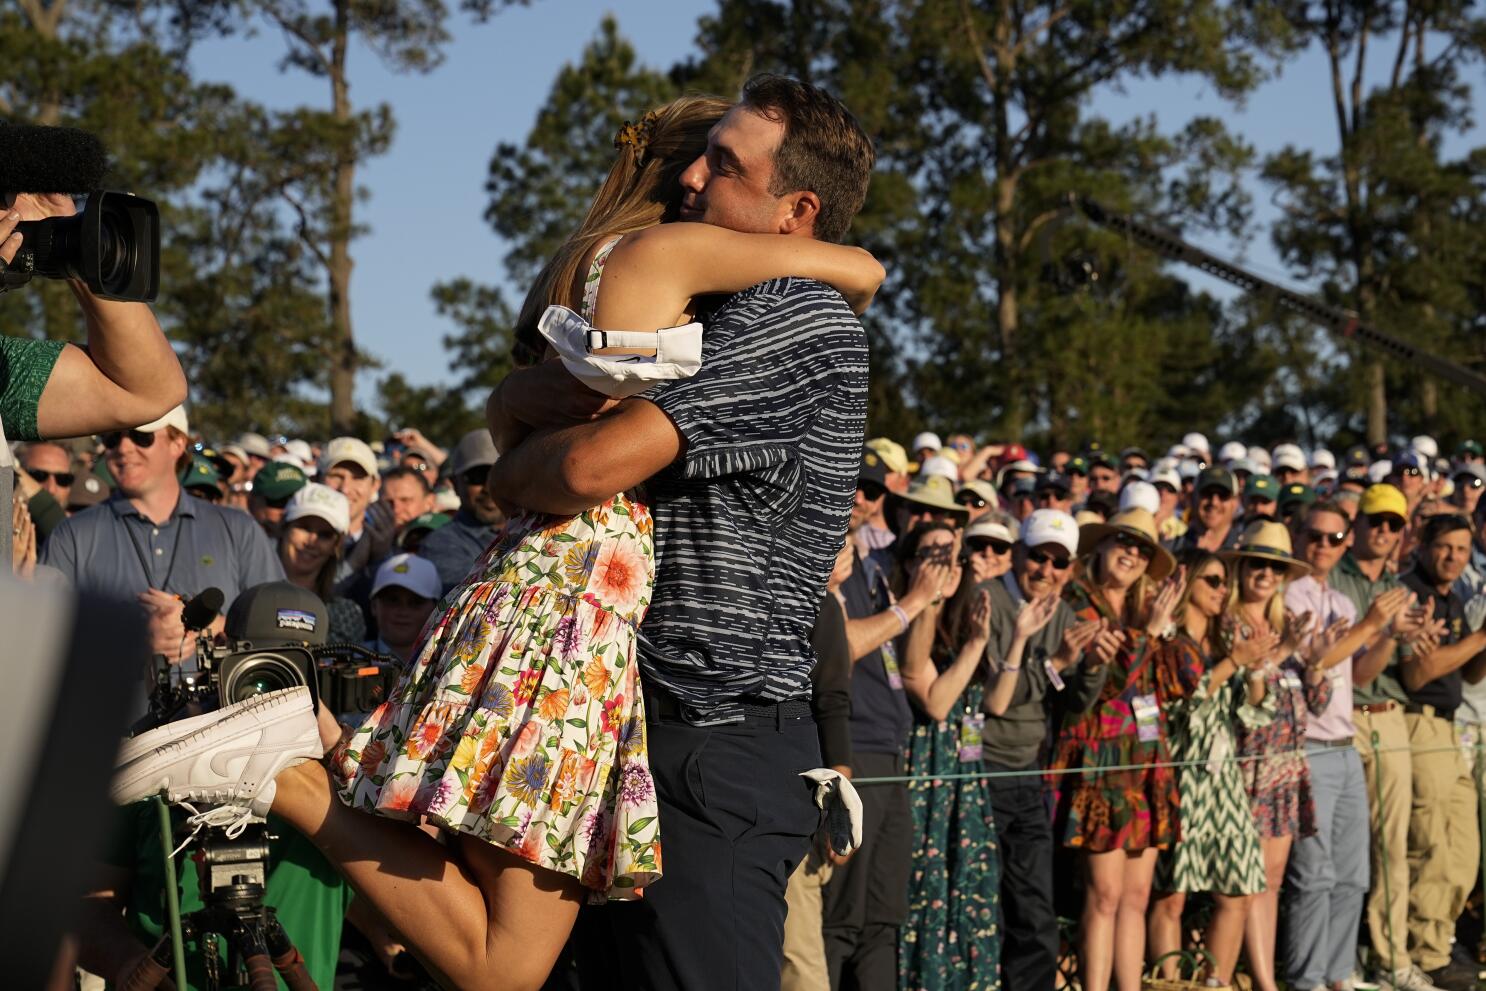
[{"x": 113, "y": 246}]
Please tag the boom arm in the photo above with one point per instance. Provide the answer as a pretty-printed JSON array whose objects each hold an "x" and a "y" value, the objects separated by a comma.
[{"x": 1342, "y": 322}]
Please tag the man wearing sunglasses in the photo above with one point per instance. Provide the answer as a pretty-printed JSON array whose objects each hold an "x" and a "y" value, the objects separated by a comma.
[
  {"x": 1469, "y": 480},
  {"x": 51, "y": 465},
  {"x": 454, "y": 547},
  {"x": 1378, "y": 700},
  {"x": 1216, "y": 494},
  {"x": 152, "y": 544},
  {"x": 1327, "y": 876},
  {"x": 1042, "y": 563}
]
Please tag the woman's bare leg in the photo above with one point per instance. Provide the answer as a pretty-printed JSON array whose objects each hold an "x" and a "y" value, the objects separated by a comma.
[
  {"x": 1135, "y": 895},
  {"x": 1264, "y": 912},
  {"x": 1104, "y": 874},
  {"x": 1164, "y": 929},
  {"x": 477, "y": 918},
  {"x": 1225, "y": 933}
]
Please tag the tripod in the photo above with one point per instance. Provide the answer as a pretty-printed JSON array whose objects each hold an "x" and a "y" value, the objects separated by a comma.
[{"x": 232, "y": 873}]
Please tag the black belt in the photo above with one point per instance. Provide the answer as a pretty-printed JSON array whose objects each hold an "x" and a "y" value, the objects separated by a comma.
[
  {"x": 1429, "y": 710},
  {"x": 662, "y": 706}
]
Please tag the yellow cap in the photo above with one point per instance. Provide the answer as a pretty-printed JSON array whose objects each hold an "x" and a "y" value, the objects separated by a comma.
[
  {"x": 892, "y": 454},
  {"x": 1384, "y": 498}
]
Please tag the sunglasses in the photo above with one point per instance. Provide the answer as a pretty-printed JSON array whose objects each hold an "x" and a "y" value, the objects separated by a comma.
[
  {"x": 871, "y": 491},
  {"x": 1051, "y": 495},
  {"x": 1045, "y": 557},
  {"x": 1213, "y": 581},
  {"x": 970, "y": 499},
  {"x": 1411, "y": 473},
  {"x": 1334, "y": 539},
  {"x": 979, "y": 545},
  {"x": 476, "y": 475},
  {"x": 139, "y": 438},
  {"x": 1260, "y": 564},
  {"x": 1385, "y": 521},
  {"x": 64, "y": 478},
  {"x": 1474, "y": 483},
  {"x": 1134, "y": 543}
]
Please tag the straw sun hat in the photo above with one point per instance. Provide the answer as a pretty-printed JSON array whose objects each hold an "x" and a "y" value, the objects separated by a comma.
[
  {"x": 1268, "y": 541},
  {"x": 1138, "y": 523}
]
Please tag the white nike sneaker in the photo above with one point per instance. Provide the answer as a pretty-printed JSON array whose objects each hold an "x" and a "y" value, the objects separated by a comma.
[{"x": 226, "y": 761}]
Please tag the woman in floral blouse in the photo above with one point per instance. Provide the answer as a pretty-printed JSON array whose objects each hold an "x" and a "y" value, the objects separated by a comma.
[{"x": 1119, "y": 818}]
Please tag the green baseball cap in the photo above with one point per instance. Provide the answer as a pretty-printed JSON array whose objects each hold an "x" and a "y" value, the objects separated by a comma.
[
  {"x": 278, "y": 480},
  {"x": 427, "y": 521},
  {"x": 1471, "y": 447},
  {"x": 1261, "y": 487},
  {"x": 1077, "y": 465},
  {"x": 1216, "y": 477},
  {"x": 201, "y": 473},
  {"x": 1296, "y": 495}
]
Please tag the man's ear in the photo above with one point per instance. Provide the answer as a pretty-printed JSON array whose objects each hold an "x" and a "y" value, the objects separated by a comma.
[{"x": 801, "y": 209}]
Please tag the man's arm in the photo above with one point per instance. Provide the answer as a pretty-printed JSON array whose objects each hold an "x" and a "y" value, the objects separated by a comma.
[
  {"x": 1422, "y": 670},
  {"x": 566, "y": 470}
]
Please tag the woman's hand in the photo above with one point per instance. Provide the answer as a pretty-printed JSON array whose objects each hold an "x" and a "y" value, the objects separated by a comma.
[
  {"x": 978, "y": 619},
  {"x": 23, "y": 539},
  {"x": 1298, "y": 630},
  {"x": 1034, "y": 615},
  {"x": 1164, "y": 608},
  {"x": 1254, "y": 650}
]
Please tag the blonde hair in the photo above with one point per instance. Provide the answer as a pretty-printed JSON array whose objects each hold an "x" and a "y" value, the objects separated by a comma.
[
  {"x": 643, "y": 189},
  {"x": 1274, "y": 609},
  {"x": 1137, "y": 597}
]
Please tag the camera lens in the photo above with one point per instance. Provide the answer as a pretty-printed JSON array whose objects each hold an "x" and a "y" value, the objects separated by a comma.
[
  {"x": 117, "y": 247},
  {"x": 259, "y": 674}
]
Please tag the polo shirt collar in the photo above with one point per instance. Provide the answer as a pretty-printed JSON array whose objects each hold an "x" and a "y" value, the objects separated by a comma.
[{"x": 121, "y": 506}]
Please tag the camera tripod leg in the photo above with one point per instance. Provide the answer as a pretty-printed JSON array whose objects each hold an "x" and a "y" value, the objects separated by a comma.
[
  {"x": 152, "y": 972},
  {"x": 286, "y": 958},
  {"x": 255, "y": 958}
]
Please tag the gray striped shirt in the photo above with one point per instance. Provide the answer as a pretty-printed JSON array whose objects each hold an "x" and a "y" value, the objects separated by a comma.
[{"x": 749, "y": 519}]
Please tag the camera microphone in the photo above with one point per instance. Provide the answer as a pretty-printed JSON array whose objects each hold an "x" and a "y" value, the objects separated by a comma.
[
  {"x": 50, "y": 160},
  {"x": 199, "y": 612}
]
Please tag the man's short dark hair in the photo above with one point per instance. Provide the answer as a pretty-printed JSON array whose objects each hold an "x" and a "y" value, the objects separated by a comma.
[
  {"x": 823, "y": 150},
  {"x": 1440, "y": 524},
  {"x": 404, "y": 472},
  {"x": 1327, "y": 506}
]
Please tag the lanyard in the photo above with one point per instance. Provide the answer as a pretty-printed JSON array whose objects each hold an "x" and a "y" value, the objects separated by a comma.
[{"x": 144, "y": 561}]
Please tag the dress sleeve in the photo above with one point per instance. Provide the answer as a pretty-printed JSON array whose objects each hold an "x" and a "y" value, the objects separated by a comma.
[{"x": 25, "y": 366}]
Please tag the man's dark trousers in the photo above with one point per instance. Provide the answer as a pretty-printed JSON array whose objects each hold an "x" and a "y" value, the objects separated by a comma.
[
  {"x": 866, "y": 900},
  {"x": 735, "y": 820},
  {"x": 1029, "y": 953}
]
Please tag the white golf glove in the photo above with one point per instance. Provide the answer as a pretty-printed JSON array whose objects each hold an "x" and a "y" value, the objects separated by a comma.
[
  {"x": 678, "y": 353},
  {"x": 843, "y": 808}
]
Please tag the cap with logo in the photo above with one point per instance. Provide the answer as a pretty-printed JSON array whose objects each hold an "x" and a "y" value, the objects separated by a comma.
[
  {"x": 348, "y": 450},
  {"x": 1384, "y": 498},
  {"x": 278, "y": 480},
  {"x": 1231, "y": 452},
  {"x": 1469, "y": 447},
  {"x": 424, "y": 523},
  {"x": 87, "y": 490},
  {"x": 1077, "y": 465},
  {"x": 892, "y": 454},
  {"x": 940, "y": 465},
  {"x": 1296, "y": 495},
  {"x": 201, "y": 473},
  {"x": 319, "y": 500},
  {"x": 1289, "y": 456},
  {"x": 277, "y": 613},
  {"x": 1050, "y": 526},
  {"x": 873, "y": 469},
  {"x": 1261, "y": 487},
  {"x": 416, "y": 574}
]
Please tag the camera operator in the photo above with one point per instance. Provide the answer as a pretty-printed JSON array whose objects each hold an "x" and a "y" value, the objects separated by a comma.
[
  {"x": 152, "y": 543},
  {"x": 126, "y": 375}
]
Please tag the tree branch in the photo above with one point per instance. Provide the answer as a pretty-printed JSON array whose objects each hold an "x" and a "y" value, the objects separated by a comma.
[
  {"x": 1357, "y": 71},
  {"x": 1037, "y": 222},
  {"x": 1403, "y": 47},
  {"x": 304, "y": 229},
  {"x": 296, "y": 33},
  {"x": 1020, "y": 47},
  {"x": 977, "y": 47},
  {"x": 1338, "y": 87}
]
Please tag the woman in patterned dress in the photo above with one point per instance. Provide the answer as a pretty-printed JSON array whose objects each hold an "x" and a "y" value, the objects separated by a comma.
[
  {"x": 1118, "y": 818},
  {"x": 1277, "y": 776},
  {"x": 519, "y": 729},
  {"x": 1219, "y": 846},
  {"x": 950, "y": 940}
]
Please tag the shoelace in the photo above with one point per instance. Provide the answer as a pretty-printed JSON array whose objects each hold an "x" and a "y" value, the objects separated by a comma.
[{"x": 234, "y": 818}]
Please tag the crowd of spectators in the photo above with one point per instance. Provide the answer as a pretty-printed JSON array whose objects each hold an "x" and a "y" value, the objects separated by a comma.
[{"x": 1226, "y": 698}]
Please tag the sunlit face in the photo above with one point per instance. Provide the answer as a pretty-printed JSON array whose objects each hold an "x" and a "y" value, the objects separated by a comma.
[
  {"x": 1102, "y": 478},
  {"x": 989, "y": 557},
  {"x": 304, "y": 547},
  {"x": 728, "y": 185},
  {"x": 400, "y": 614},
  {"x": 408, "y": 498},
  {"x": 867, "y": 503},
  {"x": 475, "y": 497},
  {"x": 1124, "y": 558},
  {"x": 1215, "y": 507},
  {"x": 1378, "y": 534},
  {"x": 352, "y": 481},
  {"x": 1411, "y": 481},
  {"x": 1259, "y": 579},
  {"x": 138, "y": 470},
  {"x": 50, "y": 461},
  {"x": 1447, "y": 555},
  {"x": 1318, "y": 534},
  {"x": 1210, "y": 589},
  {"x": 1042, "y": 570}
]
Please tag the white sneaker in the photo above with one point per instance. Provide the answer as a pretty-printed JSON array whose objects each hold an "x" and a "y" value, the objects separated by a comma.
[
  {"x": 226, "y": 761},
  {"x": 1409, "y": 978}
]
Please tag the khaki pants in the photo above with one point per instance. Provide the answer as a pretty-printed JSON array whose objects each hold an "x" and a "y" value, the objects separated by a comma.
[
  {"x": 805, "y": 967},
  {"x": 1388, "y": 901},
  {"x": 1444, "y": 839}
]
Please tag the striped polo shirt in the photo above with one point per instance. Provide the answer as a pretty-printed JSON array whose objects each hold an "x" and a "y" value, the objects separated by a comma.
[{"x": 749, "y": 518}]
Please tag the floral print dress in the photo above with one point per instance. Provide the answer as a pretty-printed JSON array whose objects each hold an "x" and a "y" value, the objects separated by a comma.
[
  {"x": 521, "y": 721},
  {"x": 1276, "y": 773},
  {"x": 951, "y": 939},
  {"x": 1121, "y": 794}
]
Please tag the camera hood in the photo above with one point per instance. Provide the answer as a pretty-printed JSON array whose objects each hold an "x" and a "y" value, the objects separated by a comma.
[{"x": 277, "y": 613}]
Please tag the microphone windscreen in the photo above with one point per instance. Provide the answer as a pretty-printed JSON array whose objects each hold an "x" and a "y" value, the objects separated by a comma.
[
  {"x": 35, "y": 159},
  {"x": 199, "y": 612}
]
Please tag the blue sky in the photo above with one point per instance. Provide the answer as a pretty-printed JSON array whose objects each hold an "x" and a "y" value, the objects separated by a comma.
[{"x": 426, "y": 194}]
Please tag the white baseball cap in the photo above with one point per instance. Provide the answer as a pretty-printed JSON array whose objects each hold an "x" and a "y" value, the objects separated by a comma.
[
  {"x": 1426, "y": 446},
  {"x": 416, "y": 574},
  {"x": 322, "y": 501},
  {"x": 1169, "y": 475},
  {"x": 992, "y": 528},
  {"x": 939, "y": 465},
  {"x": 175, "y": 418},
  {"x": 1231, "y": 452},
  {"x": 1051, "y": 526},
  {"x": 927, "y": 439},
  {"x": 1323, "y": 459},
  {"x": 1197, "y": 442},
  {"x": 1142, "y": 494},
  {"x": 1260, "y": 457},
  {"x": 348, "y": 449},
  {"x": 1379, "y": 470},
  {"x": 1289, "y": 456},
  {"x": 255, "y": 444},
  {"x": 1178, "y": 452}
]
